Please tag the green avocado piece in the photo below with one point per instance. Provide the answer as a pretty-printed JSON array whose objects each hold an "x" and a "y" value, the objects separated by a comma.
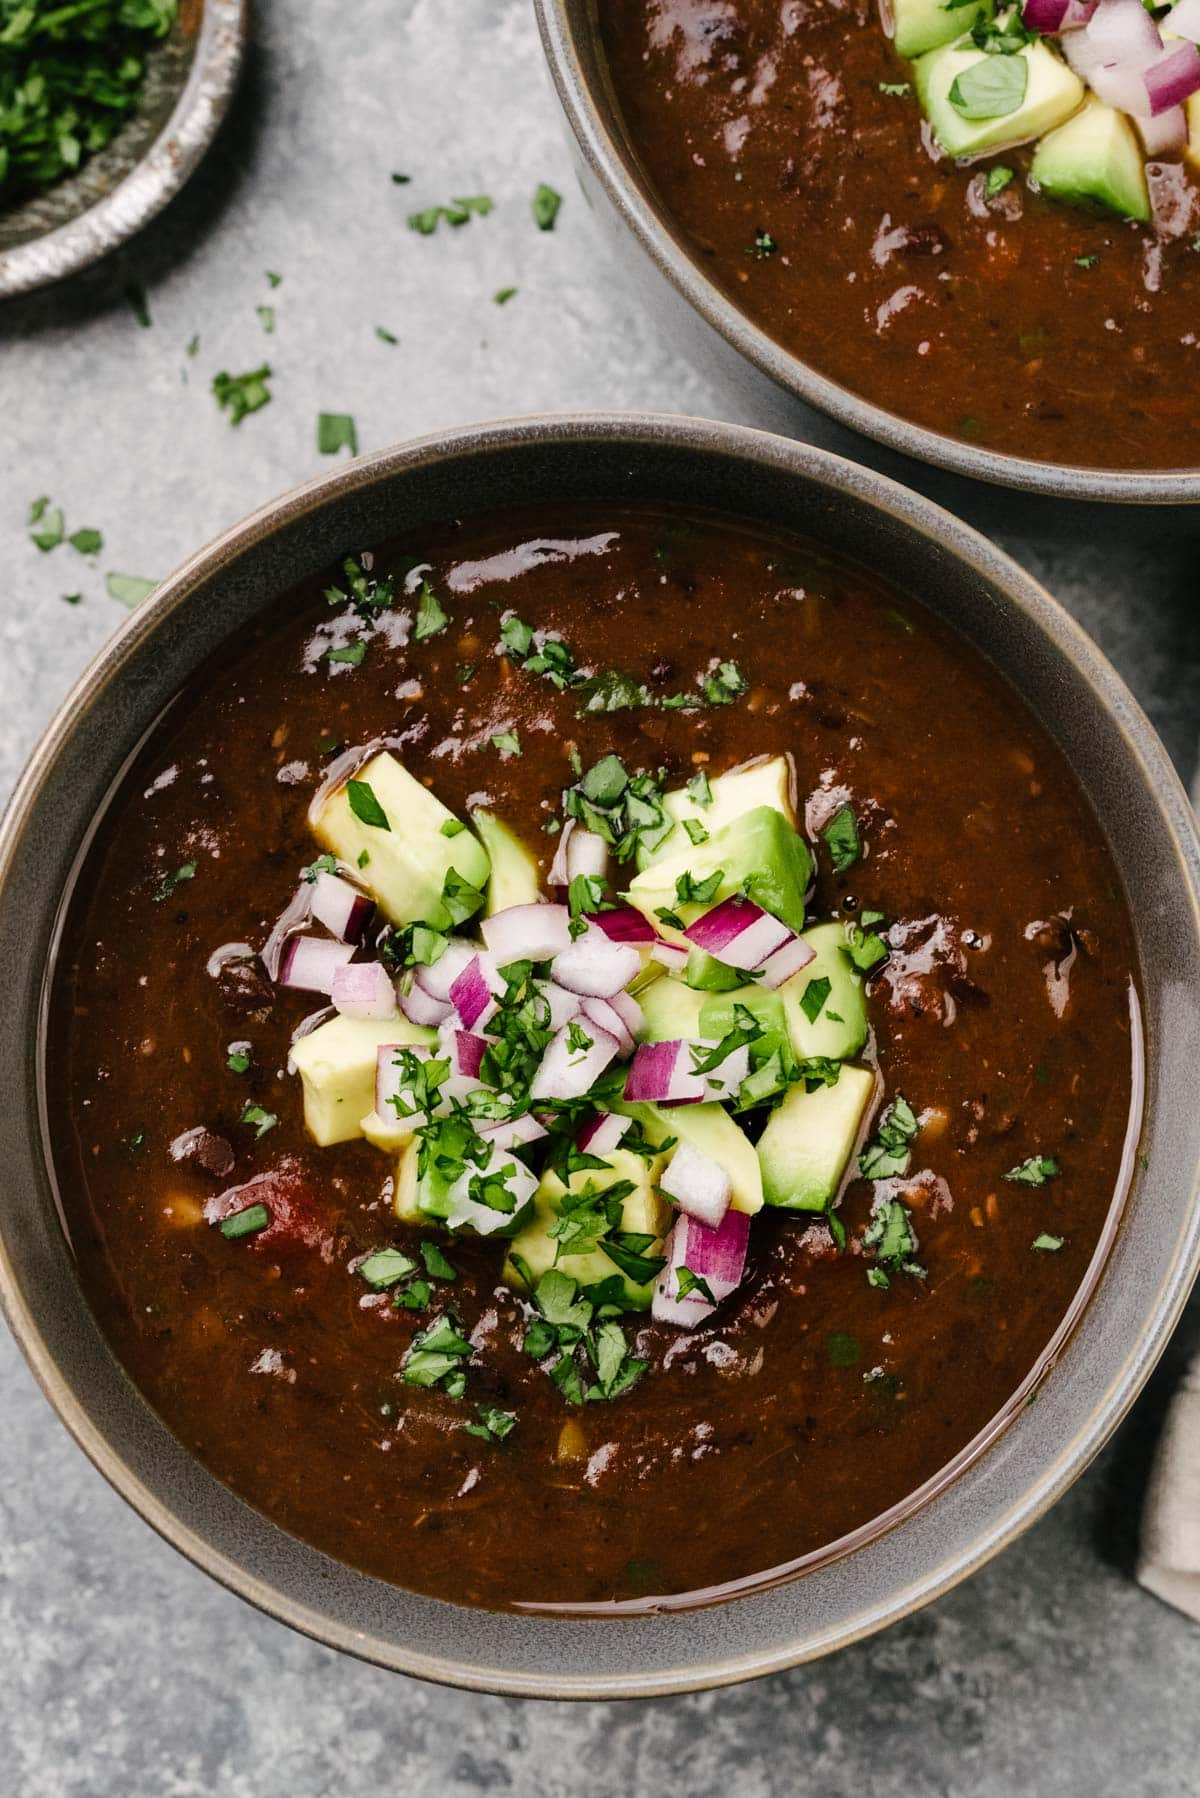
[
  {"x": 809, "y": 1139},
  {"x": 1095, "y": 156},
  {"x": 643, "y": 1211},
  {"x": 759, "y": 853},
  {"x": 670, "y": 1012},
  {"x": 924, "y": 24},
  {"x": 406, "y": 859},
  {"x": 839, "y": 1029},
  {"x": 711, "y": 1130},
  {"x": 515, "y": 878},
  {"x": 1052, "y": 93},
  {"x": 768, "y": 782}
]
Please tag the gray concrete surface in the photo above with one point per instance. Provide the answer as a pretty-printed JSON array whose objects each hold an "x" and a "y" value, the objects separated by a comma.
[{"x": 126, "y": 1674}]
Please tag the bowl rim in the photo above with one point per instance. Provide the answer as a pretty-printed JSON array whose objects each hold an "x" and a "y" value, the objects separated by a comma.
[
  {"x": 161, "y": 172},
  {"x": 841, "y": 480},
  {"x": 562, "y": 23}
]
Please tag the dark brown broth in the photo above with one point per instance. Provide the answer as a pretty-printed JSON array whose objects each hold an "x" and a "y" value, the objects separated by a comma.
[{"x": 745, "y": 1446}]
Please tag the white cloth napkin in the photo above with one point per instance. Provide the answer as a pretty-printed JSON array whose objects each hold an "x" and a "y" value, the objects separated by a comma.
[{"x": 1170, "y": 1559}]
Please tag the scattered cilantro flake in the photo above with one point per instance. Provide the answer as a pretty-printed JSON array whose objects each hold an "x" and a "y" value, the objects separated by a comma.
[
  {"x": 843, "y": 1349},
  {"x": 384, "y": 335},
  {"x": 436, "y": 1264},
  {"x": 336, "y": 431},
  {"x": 507, "y": 742},
  {"x": 240, "y": 395},
  {"x": 493, "y": 1426},
  {"x": 87, "y": 542},
  {"x": 434, "y": 1357},
  {"x": 168, "y": 883},
  {"x": 386, "y": 1267},
  {"x": 546, "y": 204},
  {"x": 1035, "y": 1171},
  {"x": 262, "y": 1119},
  {"x": 865, "y": 947},
  {"x": 764, "y": 245},
  {"x": 73, "y": 599},
  {"x": 266, "y": 318},
  {"x": 503, "y": 295},
  {"x": 1047, "y": 1244},
  {"x": 991, "y": 88},
  {"x": 695, "y": 830},
  {"x": 192, "y": 345},
  {"x": 351, "y": 653},
  {"x": 51, "y": 524},
  {"x": 698, "y": 789},
  {"x": 415, "y": 1296},
  {"x": 841, "y": 838},
  {"x": 887, "y": 1154},
  {"x": 238, "y": 1060},
  {"x": 1087, "y": 261},
  {"x": 998, "y": 179},
  {"x": 135, "y": 293},
  {"x": 723, "y": 687},
  {"x": 129, "y": 589},
  {"x": 432, "y": 616},
  {"x": 366, "y": 808},
  {"x": 246, "y": 1223},
  {"x": 892, "y": 1240},
  {"x": 812, "y": 999},
  {"x": 399, "y": 179},
  {"x": 273, "y": 280},
  {"x": 458, "y": 212},
  {"x": 897, "y": 89},
  {"x": 687, "y": 1282}
]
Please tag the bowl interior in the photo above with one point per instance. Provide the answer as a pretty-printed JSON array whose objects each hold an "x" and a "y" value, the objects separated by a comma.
[{"x": 1153, "y": 1259}]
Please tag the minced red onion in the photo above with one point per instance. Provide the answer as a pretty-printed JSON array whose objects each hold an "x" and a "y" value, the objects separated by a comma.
[
  {"x": 1173, "y": 78},
  {"x": 604, "y": 1014},
  {"x": 670, "y": 956},
  {"x": 1184, "y": 19},
  {"x": 438, "y": 977},
  {"x": 475, "y": 992},
  {"x": 1164, "y": 138},
  {"x": 594, "y": 966},
  {"x": 661, "y": 1073},
  {"x": 739, "y": 932},
  {"x": 1045, "y": 15},
  {"x": 309, "y": 963},
  {"x": 341, "y": 907},
  {"x": 628, "y": 1010},
  {"x": 787, "y": 961},
  {"x": 622, "y": 924},
  {"x": 363, "y": 989},
  {"x": 513, "y": 1133},
  {"x": 602, "y": 1133},
  {"x": 698, "y": 1184},
  {"x": 220, "y": 958},
  {"x": 527, "y": 933},
  {"x": 568, "y": 1073},
  {"x": 420, "y": 1007},
  {"x": 291, "y": 919},
  {"x": 716, "y": 1256}
]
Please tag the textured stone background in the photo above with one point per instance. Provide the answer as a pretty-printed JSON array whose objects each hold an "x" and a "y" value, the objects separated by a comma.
[{"x": 127, "y": 1673}]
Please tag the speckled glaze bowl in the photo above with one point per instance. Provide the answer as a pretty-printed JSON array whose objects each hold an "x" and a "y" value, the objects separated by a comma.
[
  {"x": 764, "y": 381},
  {"x": 1141, "y": 1274},
  {"x": 190, "y": 80}
]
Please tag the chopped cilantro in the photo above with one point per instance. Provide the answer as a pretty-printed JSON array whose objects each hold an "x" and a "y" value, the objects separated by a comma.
[
  {"x": 887, "y": 1154},
  {"x": 546, "y": 204},
  {"x": 686, "y": 1281},
  {"x": 436, "y": 1264},
  {"x": 168, "y": 883},
  {"x": 493, "y": 1426},
  {"x": 386, "y": 336},
  {"x": 238, "y": 1060},
  {"x": 458, "y": 212},
  {"x": 723, "y": 686},
  {"x": 695, "y": 830},
  {"x": 386, "y": 1267},
  {"x": 350, "y": 653},
  {"x": 88, "y": 542},
  {"x": 812, "y": 999},
  {"x": 1087, "y": 261},
  {"x": 266, "y": 318},
  {"x": 240, "y": 395},
  {"x": 434, "y": 1357},
  {"x": 764, "y": 245},
  {"x": 363, "y": 803},
  {"x": 1047, "y": 1244},
  {"x": 698, "y": 789},
  {"x": 262, "y": 1119},
  {"x": 432, "y": 616},
  {"x": 51, "y": 522},
  {"x": 1035, "y": 1171},
  {"x": 245, "y": 1223},
  {"x": 129, "y": 589},
  {"x": 897, "y": 89},
  {"x": 503, "y": 295},
  {"x": 507, "y": 742},
  {"x": 841, "y": 838},
  {"x": 336, "y": 431},
  {"x": 892, "y": 1240},
  {"x": 991, "y": 88},
  {"x": 135, "y": 293},
  {"x": 998, "y": 179}
]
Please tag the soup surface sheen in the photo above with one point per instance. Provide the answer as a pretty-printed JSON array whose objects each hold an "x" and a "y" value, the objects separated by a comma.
[
  {"x": 1017, "y": 322},
  {"x": 813, "y": 1400}
]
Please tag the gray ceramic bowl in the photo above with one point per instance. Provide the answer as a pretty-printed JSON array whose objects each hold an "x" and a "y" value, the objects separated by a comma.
[
  {"x": 190, "y": 80},
  {"x": 764, "y": 381},
  {"x": 1027, "y": 1456}
]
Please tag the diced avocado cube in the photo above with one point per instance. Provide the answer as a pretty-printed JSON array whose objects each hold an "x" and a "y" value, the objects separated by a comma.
[
  {"x": 670, "y": 1012},
  {"x": 336, "y": 1064},
  {"x": 404, "y": 1200},
  {"x": 405, "y": 865},
  {"x": 711, "y": 1130},
  {"x": 924, "y": 24},
  {"x": 1095, "y": 156},
  {"x": 718, "y": 1013},
  {"x": 809, "y": 1139},
  {"x": 391, "y": 1134},
  {"x": 643, "y": 1211},
  {"x": 839, "y": 1029},
  {"x": 767, "y": 782},
  {"x": 1052, "y": 93},
  {"x": 758, "y": 853},
  {"x": 515, "y": 878}
]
